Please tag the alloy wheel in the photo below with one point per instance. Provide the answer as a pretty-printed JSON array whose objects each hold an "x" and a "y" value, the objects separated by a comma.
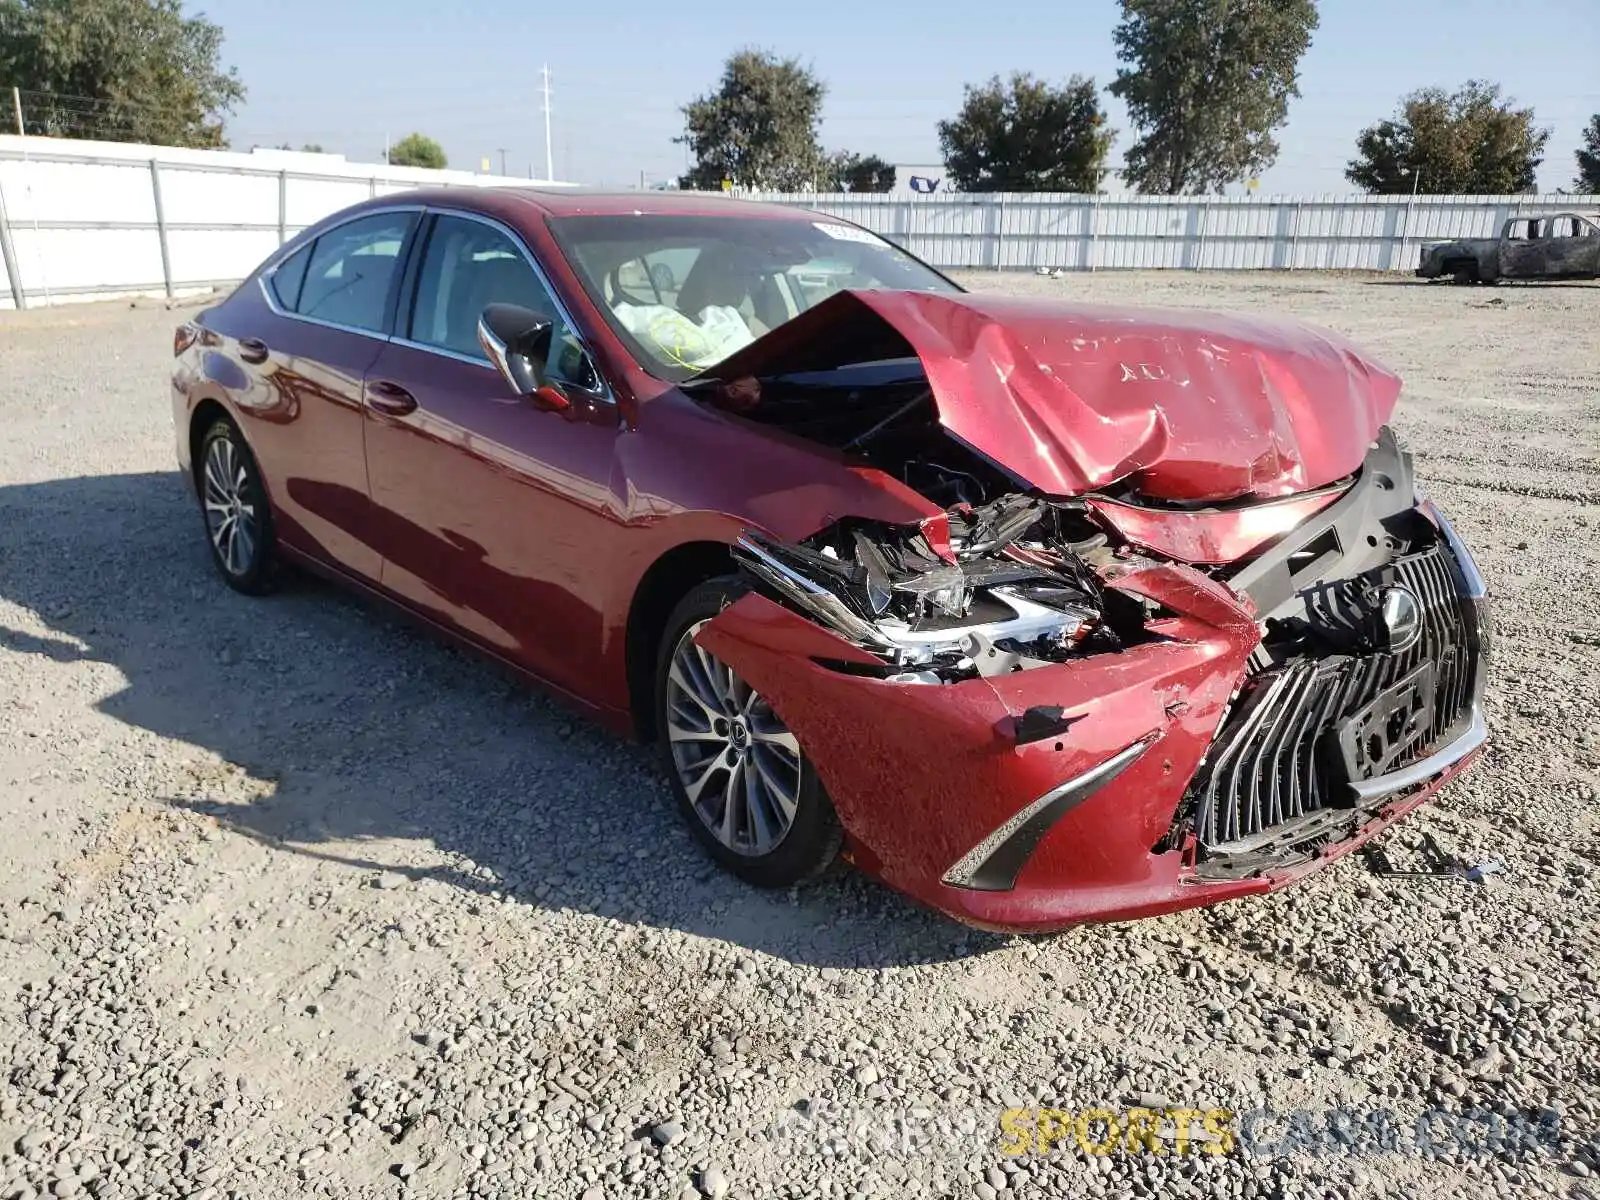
[
  {"x": 739, "y": 764},
  {"x": 230, "y": 506}
]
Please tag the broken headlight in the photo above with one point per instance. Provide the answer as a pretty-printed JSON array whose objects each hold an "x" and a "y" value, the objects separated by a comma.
[{"x": 1002, "y": 591}]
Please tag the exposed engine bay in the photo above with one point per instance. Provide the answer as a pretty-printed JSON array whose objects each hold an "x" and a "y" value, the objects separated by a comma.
[
  {"x": 982, "y": 591},
  {"x": 1005, "y": 580},
  {"x": 882, "y": 412}
]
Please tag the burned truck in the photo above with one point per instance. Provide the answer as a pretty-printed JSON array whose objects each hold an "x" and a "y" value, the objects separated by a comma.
[{"x": 1564, "y": 246}]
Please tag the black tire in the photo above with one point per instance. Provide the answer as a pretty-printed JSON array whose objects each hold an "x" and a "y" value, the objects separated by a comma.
[
  {"x": 1464, "y": 274},
  {"x": 248, "y": 560},
  {"x": 810, "y": 845}
]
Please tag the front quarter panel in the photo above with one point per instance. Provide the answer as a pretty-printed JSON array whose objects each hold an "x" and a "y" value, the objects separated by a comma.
[
  {"x": 922, "y": 773},
  {"x": 688, "y": 475}
]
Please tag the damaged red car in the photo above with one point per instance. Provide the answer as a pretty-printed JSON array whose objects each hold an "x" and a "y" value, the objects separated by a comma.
[{"x": 1040, "y": 612}]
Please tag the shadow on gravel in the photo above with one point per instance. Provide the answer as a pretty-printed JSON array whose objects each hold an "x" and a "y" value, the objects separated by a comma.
[{"x": 354, "y": 727}]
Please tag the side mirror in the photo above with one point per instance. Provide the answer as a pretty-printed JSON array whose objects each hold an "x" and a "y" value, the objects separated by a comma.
[{"x": 517, "y": 341}]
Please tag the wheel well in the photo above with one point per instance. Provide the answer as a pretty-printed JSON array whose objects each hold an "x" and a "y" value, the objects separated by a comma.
[
  {"x": 669, "y": 579},
  {"x": 206, "y": 414}
]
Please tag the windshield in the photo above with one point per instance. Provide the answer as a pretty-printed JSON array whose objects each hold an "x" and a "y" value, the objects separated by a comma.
[{"x": 685, "y": 292}]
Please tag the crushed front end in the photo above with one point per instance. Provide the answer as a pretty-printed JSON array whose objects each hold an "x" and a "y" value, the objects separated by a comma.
[{"x": 1028, "y": 714}]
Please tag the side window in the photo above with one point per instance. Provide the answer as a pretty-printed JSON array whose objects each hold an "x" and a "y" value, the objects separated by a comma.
[
  {"x": 348, "y": 275},
  {"x": 468, "y": 266},
  {"x": 287, "y": 278}
]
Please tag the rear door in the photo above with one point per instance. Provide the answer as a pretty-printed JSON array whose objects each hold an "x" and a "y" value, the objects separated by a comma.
[
  {"x": 494, "y": 517},
  {"x": 1525, "y": 252},
  {"x": 303, "y": 354},
  {"x": 1574, "y": 246}
]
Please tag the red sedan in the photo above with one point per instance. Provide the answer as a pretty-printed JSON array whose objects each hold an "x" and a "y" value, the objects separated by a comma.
[{"x": 1040, "y": 612}]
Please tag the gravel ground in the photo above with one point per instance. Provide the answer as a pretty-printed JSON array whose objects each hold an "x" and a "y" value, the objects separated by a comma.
[{"x": 297, "y": 901}]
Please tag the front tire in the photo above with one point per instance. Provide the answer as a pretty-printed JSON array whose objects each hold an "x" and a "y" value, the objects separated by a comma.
[
  {"x": 237, "y": 517},
  {"x": 744, "y": 786}
]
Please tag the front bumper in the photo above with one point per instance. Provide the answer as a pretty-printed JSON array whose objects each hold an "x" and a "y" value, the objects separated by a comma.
[{"x": 941, "y": 800}]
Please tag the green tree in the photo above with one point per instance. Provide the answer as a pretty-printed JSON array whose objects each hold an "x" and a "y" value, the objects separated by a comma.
[
  {"x": 1469, "y": 142},
  {"x": 852, "y": 172},
  {"x": 418, "y": 150},
  {"x": 117, "y": 70},
  {"x": 1588, "y": 156},
  {"x": 1023, "y": 135},
  {"x": 758, "y": 129},
  {"x": 1207, "y": 83}
]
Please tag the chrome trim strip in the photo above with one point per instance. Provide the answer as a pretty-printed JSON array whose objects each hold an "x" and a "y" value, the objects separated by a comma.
[
  {"x": 284, "y": 254},
  {"x": 805, "y": 592},
  {"x": 972, "y": 862},
  {"x": 1475, "y": 734},
  {"x": 606, "y": 395},
  {"x": 457, "y": 355},
  {"x": 272, "y": 303},
  {"x": 1476, "y": 588}
]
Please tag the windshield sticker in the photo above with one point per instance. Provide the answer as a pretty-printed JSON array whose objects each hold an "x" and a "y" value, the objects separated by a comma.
[{"x": 848, "y": 233}]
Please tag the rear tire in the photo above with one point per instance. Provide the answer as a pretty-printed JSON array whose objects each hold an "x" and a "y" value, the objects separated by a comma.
[
  {"x": 1464, "y": 274},
  {"x": 723, "y": 748},
  {"x": 233, "y": 504}
]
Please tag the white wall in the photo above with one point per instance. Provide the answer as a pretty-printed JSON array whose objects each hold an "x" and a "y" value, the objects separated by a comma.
[
  {"x": 1019, "y": 231},
  {"x": 82, "y": 222}
]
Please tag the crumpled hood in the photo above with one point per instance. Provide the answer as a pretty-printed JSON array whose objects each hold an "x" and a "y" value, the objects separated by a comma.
[{"x": 1181, "y": 404}]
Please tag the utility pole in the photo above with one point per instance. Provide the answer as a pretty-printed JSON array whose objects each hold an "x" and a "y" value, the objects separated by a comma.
[
  {"x": 16, "y": 101},
  {"x": 502, "y": 160},
  {"x": 549, "y": 163}
]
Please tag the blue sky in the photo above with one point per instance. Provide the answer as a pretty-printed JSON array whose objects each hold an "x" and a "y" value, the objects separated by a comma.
[{"x": 344, "y": 75}]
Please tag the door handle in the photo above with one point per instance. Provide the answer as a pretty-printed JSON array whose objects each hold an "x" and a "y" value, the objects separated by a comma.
[
  {"x": 390, "y": 398},
  {"x": 253, "y": 350}
]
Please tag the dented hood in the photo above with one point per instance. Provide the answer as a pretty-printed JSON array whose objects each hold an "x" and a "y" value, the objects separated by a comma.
[{"x": 1180, "y": 404}]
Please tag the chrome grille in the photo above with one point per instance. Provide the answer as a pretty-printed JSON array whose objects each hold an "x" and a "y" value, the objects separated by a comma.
[{"x": 1275, "y": 766}]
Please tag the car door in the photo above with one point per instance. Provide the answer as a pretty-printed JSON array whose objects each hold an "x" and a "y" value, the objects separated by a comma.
[
  {"x": 1574, "y": 246},
  {"x": 1526, "y": 249},
  {"x": 1588, "y": 247},
  {"x": 495, "y": 517},
  {"x": 304, "y": 355}
]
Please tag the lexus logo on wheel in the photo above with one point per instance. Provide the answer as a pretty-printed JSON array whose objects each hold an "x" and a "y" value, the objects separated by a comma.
[{"x": 1402, "y": 617}]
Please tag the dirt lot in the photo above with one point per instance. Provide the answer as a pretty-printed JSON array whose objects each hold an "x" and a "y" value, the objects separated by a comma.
[{"x": 295, "y": 901}]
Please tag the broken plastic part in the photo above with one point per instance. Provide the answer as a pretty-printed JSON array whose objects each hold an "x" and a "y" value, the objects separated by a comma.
[{"x": 1002, "y": 592}]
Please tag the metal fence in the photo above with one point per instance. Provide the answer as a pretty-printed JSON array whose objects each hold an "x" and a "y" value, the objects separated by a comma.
[
  {"x": 1027, "y": 231},
  {"x": 85, "y": 219}
]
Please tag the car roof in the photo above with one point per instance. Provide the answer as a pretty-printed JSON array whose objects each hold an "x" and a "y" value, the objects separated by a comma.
[{"x": 573, "y": 202}]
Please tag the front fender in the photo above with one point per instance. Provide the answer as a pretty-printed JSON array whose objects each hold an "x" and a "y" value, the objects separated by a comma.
[{"x": 921, "y": 773}]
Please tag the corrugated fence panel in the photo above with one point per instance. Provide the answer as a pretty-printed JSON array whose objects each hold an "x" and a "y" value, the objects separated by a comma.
[
  {"x": 1216, "y": 233},
  {"x": 87, "y": 192},
  {"x": 309, "y": 200},
  {"x": 82, "y": 220},
  {"x": 195, "y": 197},
  {"x": 60, "y": 262},
  {"x": 201, "y": 257}
]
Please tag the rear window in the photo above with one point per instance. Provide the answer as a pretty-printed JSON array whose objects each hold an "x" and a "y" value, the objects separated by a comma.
[
  {"x": 290, "y": 274},
  {"x": 348, "y": 275}
]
